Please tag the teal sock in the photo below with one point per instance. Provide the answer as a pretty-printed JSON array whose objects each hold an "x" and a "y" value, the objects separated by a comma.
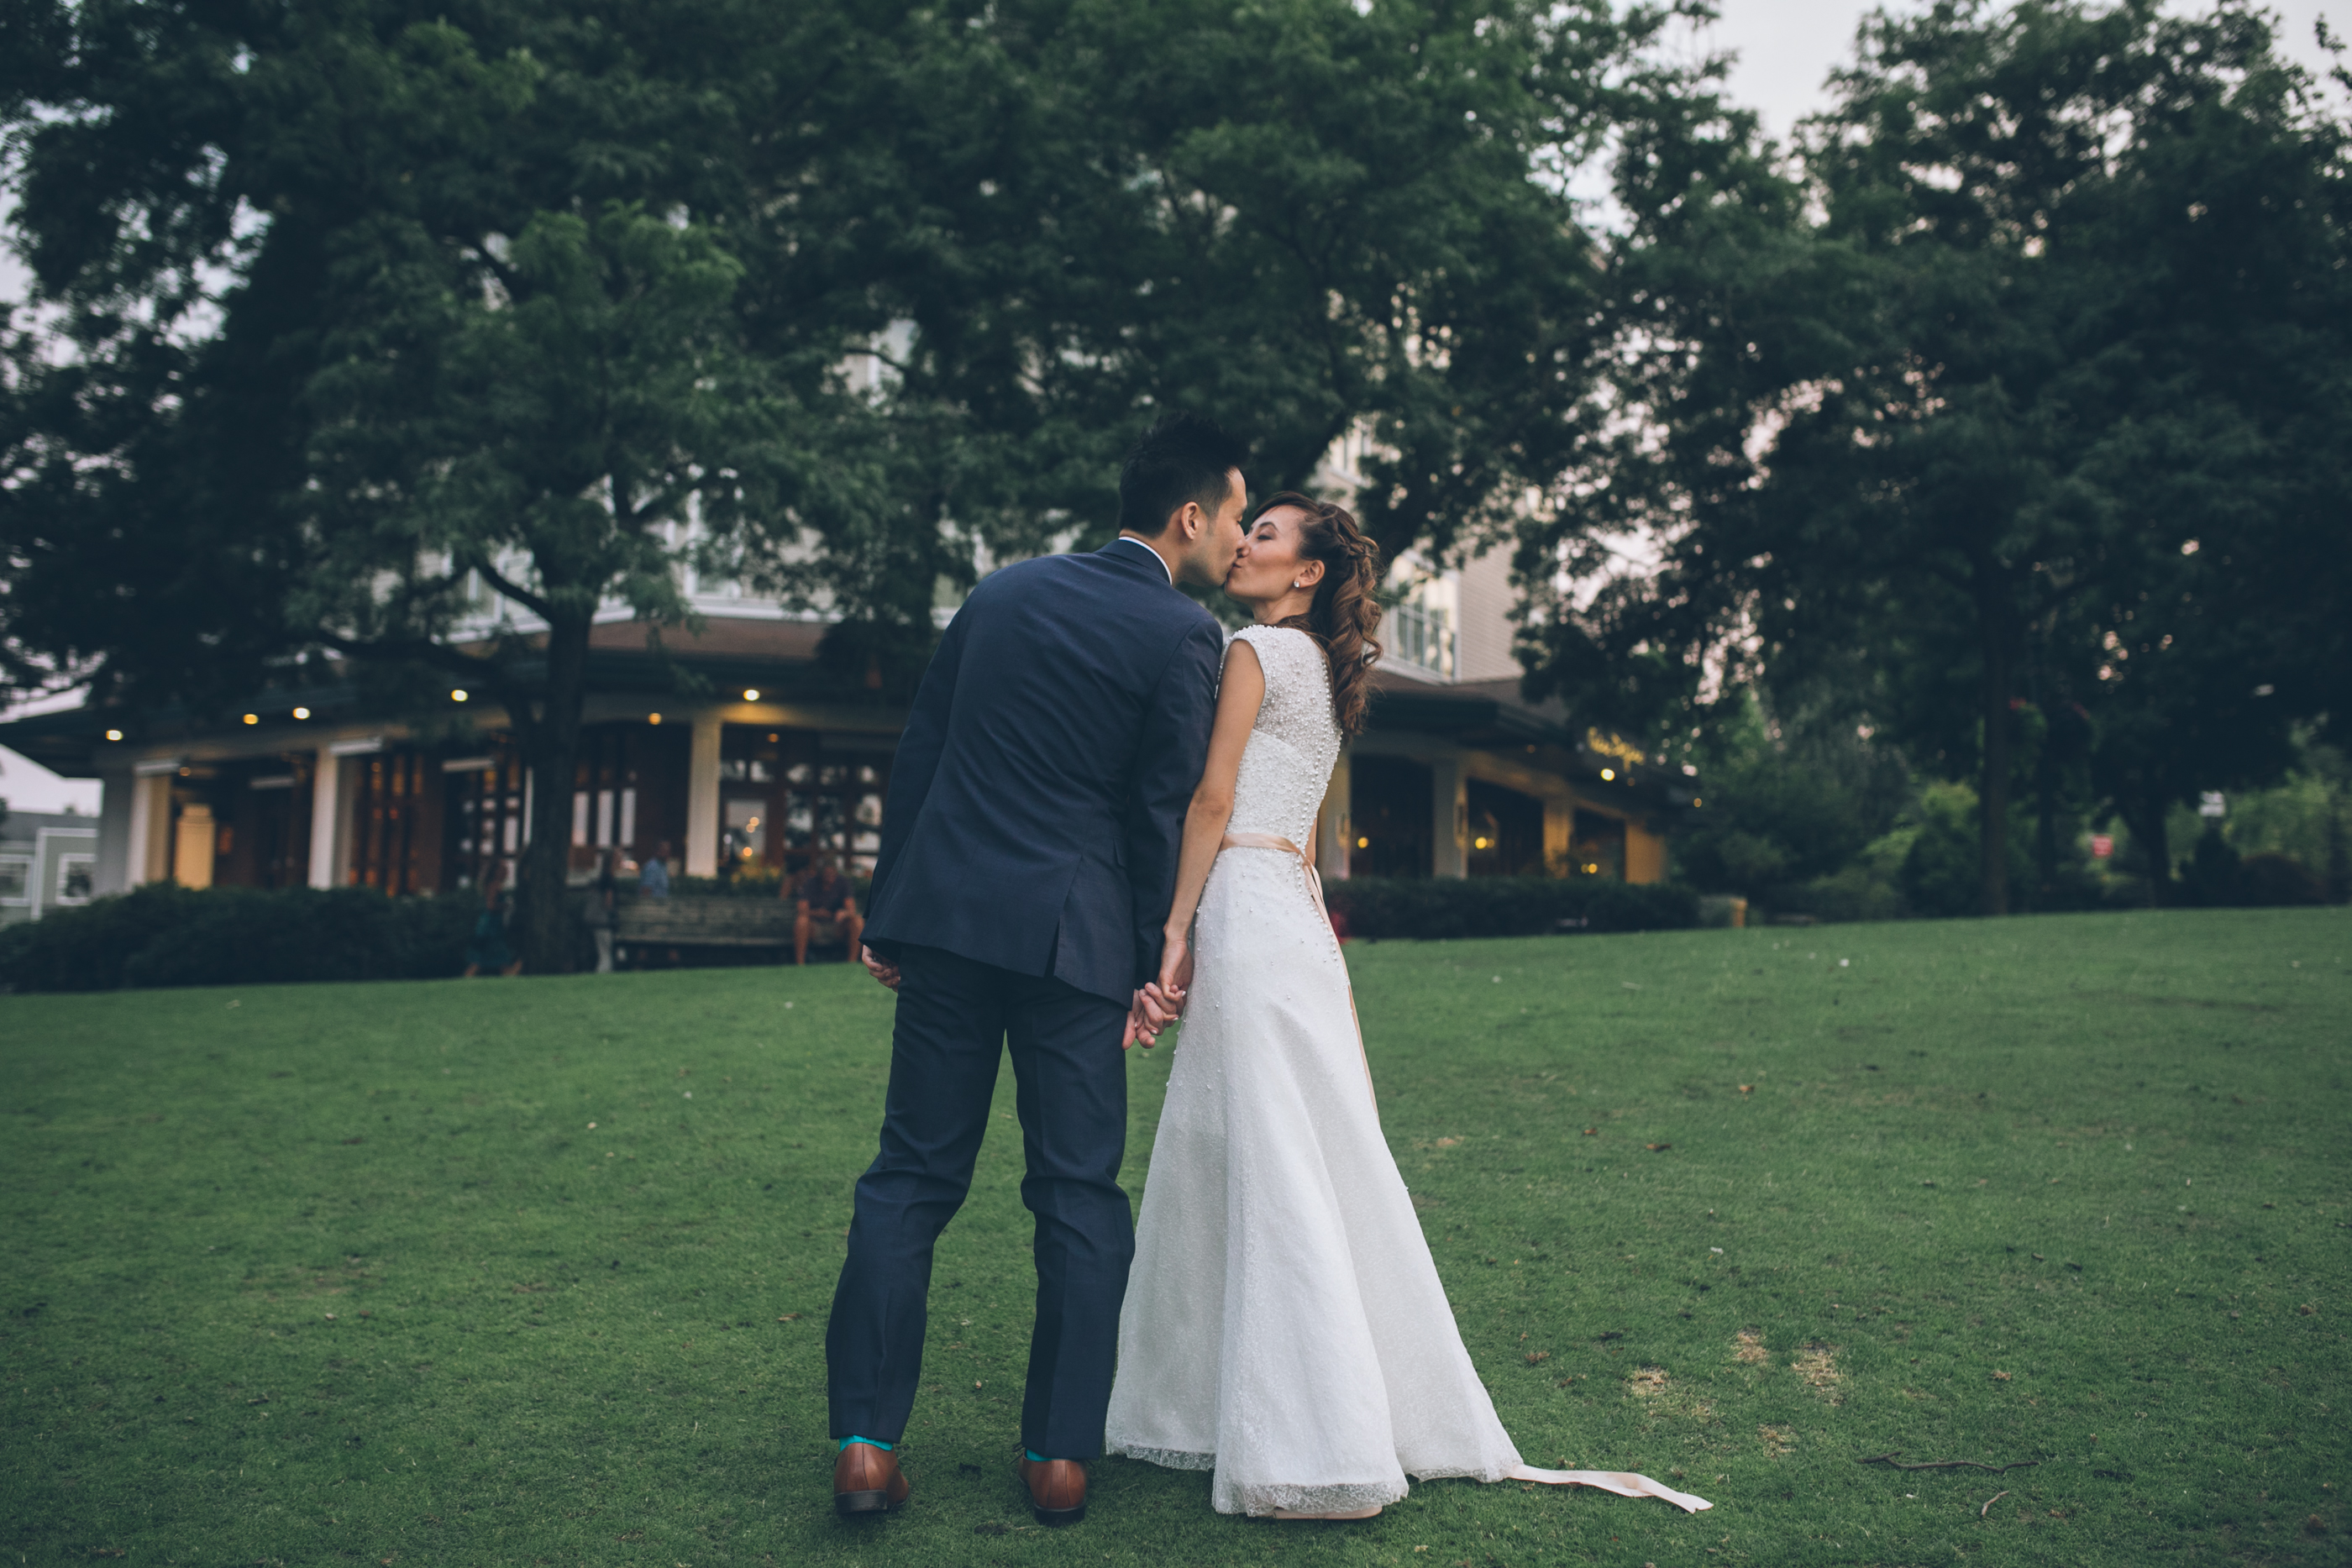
[
  {"x": 869, "y": 1441},
  {"x": 1034, "y": 1456}
]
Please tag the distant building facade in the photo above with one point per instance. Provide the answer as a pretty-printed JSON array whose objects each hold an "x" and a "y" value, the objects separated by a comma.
[
  {"x": 773, "y": 765},
  {"x": 48, "y": 860}
]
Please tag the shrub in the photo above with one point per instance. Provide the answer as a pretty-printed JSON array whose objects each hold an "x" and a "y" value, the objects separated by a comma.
[
  {"x": 2219, "y": 879},
  {"x": 1942, "y": 872},
  {"x": 1857, "y": 892},
  {"x": 1434, "y": 909},
  {"x": 165, "y": 935},
  {"x": 2267, "y": 879}
]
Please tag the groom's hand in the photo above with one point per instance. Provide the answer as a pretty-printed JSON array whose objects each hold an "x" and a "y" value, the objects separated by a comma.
[{"x": 881, "y": 968}]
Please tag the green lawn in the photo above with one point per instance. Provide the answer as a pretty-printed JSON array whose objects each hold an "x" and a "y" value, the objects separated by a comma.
[{"x": 536, "y": 1271}]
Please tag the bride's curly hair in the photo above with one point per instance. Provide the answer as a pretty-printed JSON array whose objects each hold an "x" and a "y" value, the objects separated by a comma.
[{"x": 1347, "y": 607}]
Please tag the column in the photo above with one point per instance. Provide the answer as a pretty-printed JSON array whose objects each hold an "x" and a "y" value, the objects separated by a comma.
[
  {"x": 702, "y": 798},
  {"x": 1335, "y": 825},
  {"x": 1559, "y": 831},
  {"x": 112, "y": 872},
  {"x": 326, "y": 818},
  {"x": 149, "y": 857},
  {"x": 1449, "y": 824},
  {"x": 192, "y": 844},
  {"x": 1646, "y": 852}
]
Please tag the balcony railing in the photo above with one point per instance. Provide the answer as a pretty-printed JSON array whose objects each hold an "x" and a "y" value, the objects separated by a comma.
[{"x": 1418, "y": 634}]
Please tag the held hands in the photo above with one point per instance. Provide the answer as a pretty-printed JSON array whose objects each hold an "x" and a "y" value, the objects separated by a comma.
[
  {"x": 1160, "y": 1003},
  {"x": 881, "y": 968}
]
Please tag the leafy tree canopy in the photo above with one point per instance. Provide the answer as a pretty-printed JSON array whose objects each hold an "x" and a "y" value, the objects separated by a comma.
[{"x": 2012, "y": 382}]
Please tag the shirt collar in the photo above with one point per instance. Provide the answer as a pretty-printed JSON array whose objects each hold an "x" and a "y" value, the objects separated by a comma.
[{"x": 1157, "y": 559}]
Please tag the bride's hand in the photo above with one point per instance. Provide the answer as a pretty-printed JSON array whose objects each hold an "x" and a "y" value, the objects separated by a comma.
[{"x": 1175, "y": 972}]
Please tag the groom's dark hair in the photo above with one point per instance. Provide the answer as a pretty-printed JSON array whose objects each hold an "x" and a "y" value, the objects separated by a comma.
[{"x": 1182, "y": 458}]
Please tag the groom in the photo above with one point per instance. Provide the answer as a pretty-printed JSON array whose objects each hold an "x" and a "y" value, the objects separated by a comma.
[{"x": 1028, "y": 859}]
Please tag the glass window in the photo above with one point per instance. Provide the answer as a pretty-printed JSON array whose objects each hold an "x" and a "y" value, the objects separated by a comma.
[{"x": 14, "y": 872}]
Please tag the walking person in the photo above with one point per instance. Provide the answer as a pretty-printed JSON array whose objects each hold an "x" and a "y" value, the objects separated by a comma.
[
  {"x": 603, "y": 909},
  {"x": 1028, "y": 853},
  {"x": 488, "y": 949}
]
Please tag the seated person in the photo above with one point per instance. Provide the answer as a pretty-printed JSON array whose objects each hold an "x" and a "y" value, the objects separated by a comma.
[{"x": 824, "y": 894}]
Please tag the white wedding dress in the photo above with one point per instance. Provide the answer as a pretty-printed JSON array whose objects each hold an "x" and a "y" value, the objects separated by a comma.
[{"x": 1284, "y": 1326}]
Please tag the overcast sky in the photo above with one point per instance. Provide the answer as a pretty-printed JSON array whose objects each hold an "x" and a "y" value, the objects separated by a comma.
[{"x": 1786, "y": 48}]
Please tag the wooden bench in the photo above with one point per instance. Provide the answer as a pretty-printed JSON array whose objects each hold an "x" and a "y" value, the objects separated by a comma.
[{"x": 703, "y": 920}]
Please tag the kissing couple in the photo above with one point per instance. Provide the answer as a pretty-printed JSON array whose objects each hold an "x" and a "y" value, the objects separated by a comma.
[{"x": 1101, "y": 818}]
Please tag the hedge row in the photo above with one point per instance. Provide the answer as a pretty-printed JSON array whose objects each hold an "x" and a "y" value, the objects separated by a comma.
[
  {"x": 162, "y": 935},
  {"x": 1437, "y": 909}
]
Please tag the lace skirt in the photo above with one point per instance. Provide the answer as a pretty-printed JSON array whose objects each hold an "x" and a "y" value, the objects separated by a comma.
[{"x": 1284, "y": 1326}]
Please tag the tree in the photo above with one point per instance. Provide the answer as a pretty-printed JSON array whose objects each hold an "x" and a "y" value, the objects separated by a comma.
[
  {"x": 1323, "y": 223},
  {"x": 372, "y": 307},
  {"x": 1964, "y": 389},
  {"x": 417, "y": 342}
]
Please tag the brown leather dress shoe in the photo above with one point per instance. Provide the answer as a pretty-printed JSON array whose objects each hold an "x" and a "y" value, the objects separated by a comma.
[
  {"x": 866, "y": 1481},
  {"x": 1057, "y": 1489}
]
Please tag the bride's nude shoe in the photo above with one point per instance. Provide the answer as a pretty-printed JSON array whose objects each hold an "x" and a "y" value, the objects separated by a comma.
[{"x": 1359, "y": 1513}]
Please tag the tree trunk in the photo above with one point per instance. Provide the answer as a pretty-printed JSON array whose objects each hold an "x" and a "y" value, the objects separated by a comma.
[
  {"x": 551, "y": 743},
  {"x": 1992, "y": 795},
  {"x": 2146, "y": 820},
  {"x": 2045, "y": 836}
]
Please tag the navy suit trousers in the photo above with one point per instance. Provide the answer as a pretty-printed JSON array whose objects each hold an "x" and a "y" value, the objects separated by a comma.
[{"x": 954, "y": 1016}]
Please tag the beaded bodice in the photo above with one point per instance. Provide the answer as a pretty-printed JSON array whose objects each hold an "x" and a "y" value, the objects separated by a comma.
[{"x": 1294, "y": 742}]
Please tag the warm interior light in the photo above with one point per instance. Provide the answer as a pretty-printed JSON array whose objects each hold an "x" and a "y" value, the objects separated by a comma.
[
  {"x": 458, "y": 695},
  {"x": 1593, "y": 871},
  {"x": 773, "y": 736},
  {"x": 1608, "y": 773},
  {"x": 751, "y": 693},
  {"x": 1363, "y": 844},
  {"x": 301, "y": 713},
  {"x": 114, "y": 734},
  {"x": 1696, "y": 801},
  {"x": 1477, "y": 843},
  {"x": 652, "y": 718},
  {"x": 253, "y": 719}
]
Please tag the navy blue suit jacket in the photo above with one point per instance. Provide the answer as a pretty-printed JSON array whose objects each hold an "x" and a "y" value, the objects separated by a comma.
[{"x": 1037, "y": 800}]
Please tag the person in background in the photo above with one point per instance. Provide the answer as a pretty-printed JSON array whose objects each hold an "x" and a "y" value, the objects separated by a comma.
[
  {"x": 823, "y": 894},
  {"x": 488, "y": 949},
  {"x": 653, "y": 881},
  {"x": 604, "y": 902}
]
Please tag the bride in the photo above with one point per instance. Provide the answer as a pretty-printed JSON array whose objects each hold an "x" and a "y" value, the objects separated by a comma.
[{"x": 1284, "y": 1326}]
